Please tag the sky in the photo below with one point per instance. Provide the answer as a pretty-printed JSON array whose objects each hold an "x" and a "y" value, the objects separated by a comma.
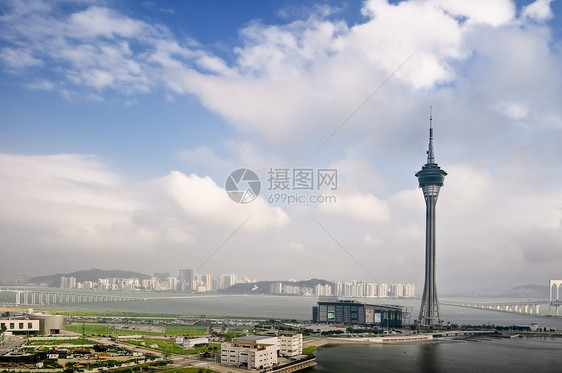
[{"x": 122, "y": 121}]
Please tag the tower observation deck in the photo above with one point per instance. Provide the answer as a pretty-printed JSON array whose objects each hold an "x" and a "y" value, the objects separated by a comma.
[{"x": 430, "y": 178}]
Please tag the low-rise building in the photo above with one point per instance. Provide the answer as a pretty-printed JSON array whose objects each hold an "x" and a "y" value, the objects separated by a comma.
[
  {"x": 31, "y": 322},
  {"x": 290, "y": 345},
  {"x": 350, "y": 312},
  {"x": 251, "y": 352},
  {"x": 48, "y": 324},
  {"x": 187, "y": 342},
  {"x": 20, "y": 325}
]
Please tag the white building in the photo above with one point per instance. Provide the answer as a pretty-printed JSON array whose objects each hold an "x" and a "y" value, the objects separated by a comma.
[
  {"x": 31, "y": 322},
  {"x": 371, "y": 290},
  {"x": 228, "y": 280},
  {"x": 186, "y": 342},
  {"x": 252, "y": 352},
  {"x": 323, "y": 290},
  {"x": 260, "y": 351},
  {"x": 339, "y": 289},
  {"x": 203, "y": 283},
  {"x": 410, "y": 290},
  {"x": 290, "y": 345},
  {"x": 383, "y": 290},
  {"x": 20, "y": 326},
  {"x": 397, "y": 290},
  {"x": 172, "y": 283}
]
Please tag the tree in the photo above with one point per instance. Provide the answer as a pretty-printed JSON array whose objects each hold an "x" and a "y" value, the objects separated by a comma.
[{"x": 70, "y": 367}]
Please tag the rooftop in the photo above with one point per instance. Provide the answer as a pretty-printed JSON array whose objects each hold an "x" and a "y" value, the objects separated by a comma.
[{"x": 254, "y": 337}]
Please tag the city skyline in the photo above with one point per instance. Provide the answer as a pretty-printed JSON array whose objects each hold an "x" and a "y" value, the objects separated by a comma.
[
  {"x": 123, "y": 121},
  {"x": 204, "y": 283}
]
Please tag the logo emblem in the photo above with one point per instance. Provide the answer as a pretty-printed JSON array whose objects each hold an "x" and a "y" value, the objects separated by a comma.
[{"x": 243, "y": 185}]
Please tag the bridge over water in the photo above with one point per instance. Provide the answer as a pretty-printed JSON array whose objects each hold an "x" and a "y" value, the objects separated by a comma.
[
  {"x": 554, "y": 292},
  {"x": 524, "y": 307},
  {"x": 35, "y": 297},
  {"x": 530, "y": 307}
]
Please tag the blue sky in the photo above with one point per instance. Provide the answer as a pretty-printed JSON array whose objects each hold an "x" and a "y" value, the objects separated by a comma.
[
  {"x": 109, "y": 125},
  {"x": 103, "y": 154}
]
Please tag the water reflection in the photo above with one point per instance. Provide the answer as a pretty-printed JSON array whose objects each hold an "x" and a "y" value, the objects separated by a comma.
[{"x": 428, "y": 358}]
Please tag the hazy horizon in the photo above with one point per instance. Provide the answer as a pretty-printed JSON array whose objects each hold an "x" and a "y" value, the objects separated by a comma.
[{"x": 483, "y": 291}]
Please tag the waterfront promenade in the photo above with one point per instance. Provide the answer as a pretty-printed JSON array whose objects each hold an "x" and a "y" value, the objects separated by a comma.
[{"x": 435, "y": 337}]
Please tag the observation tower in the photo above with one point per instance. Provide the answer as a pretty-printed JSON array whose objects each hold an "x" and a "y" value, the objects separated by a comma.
[{"x": 430, "y": 178}]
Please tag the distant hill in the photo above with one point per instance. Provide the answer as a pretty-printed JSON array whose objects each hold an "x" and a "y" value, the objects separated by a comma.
[
  {"x": 528, "y": 291},
  {"x": 524, "y": 291},
  {"x": 264, "y": 287},
  {"x": 86, "y": 275}
]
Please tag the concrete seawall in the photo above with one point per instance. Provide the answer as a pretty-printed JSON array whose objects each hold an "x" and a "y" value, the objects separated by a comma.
[{"x": 369, "y": 340}]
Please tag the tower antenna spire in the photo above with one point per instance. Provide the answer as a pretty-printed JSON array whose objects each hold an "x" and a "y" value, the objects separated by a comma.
[{"x": 430, "y": 154}]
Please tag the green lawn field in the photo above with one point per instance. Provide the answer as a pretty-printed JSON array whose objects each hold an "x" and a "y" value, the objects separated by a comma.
[
  {"x": 108, "y": 330},
  {"x": 50, "y": 342}
]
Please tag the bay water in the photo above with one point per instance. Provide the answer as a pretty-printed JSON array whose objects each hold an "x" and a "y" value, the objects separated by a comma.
[
  {"x": 300, "y": 308},
  {"x": 517, "y": 355}
]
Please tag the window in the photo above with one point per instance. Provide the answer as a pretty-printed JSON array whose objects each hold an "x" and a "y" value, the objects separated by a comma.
[
  {"x": 21, "y": 325},
  {"x": 12, "y": 325},
  {"x": 29, "y": 325}
]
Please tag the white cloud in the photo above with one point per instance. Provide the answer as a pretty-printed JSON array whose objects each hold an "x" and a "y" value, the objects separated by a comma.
[
  {"x": 18, "y": 58},
  {"x": 396, "y": 31},
  {"x": 493, "y": 13},
  {"x": 408, "y": 200},
  {"x": 515, "y": 110},
  {"x": 41, "y": 85},
  {"x": 357, "y": 206},
  {"x": 97, "y": 22},
  {"x": 61, "y": 179},
  {"x": 292, "y": 246},
  {"x": 538, "y": 10},
  {"x": 71, "y": 204},
  {"x": 90, "y": 48},
  {"x": 466, "y": 189},
  {"x": 201, "y": 199},
  {"x": 68, "y": 203},
  {"x": 205, "y": 155},
  {"x": 368, "y": 239}
]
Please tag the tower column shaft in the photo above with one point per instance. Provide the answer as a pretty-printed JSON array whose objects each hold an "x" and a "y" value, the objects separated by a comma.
[{"x": 429, "y": 310}]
